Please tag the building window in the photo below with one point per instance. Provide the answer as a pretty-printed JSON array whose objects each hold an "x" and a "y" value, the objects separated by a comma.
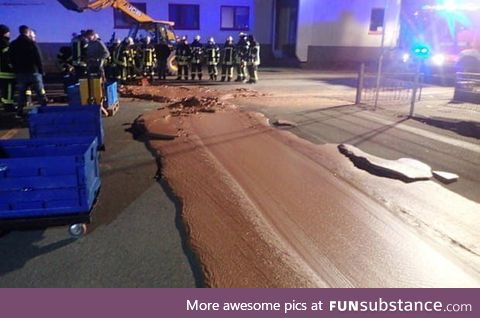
[
  {"x": 185, "y": 16},
  {"x": 234, "y": 18},
  {"x": 377, "y": 19},
  {"x": 123, "y": 21}
]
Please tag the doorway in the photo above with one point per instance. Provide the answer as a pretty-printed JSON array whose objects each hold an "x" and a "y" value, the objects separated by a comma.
[{"x": 285, "y": 28}]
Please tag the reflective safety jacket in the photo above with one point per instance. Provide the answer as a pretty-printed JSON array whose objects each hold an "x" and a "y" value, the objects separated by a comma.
[
  {"x": 79, "y": 51},
  {"x": 183, "y": 54},
  {"x": 253, "y": 57},
  {"x": 197, "y": 52},
  {"x": 212, "y": 54},
  {"x": 127, "y": 56},
  {"x": 241, "y": 51},
  {"x": 228, "y": 54},
  {"x": 149, "y": 57}
]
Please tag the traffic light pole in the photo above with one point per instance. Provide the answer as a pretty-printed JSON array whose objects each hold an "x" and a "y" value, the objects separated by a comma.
[{"x": 416, "y": 84}]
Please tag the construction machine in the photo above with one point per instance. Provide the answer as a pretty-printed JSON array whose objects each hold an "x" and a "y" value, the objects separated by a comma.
[{"x": 160, "y": 31}]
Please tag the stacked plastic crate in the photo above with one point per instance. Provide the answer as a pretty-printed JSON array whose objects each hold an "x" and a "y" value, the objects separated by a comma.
[{"x": 54, "y": 177}]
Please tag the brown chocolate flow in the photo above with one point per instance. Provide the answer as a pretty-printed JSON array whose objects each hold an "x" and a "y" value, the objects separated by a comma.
[{"x": 263, "y": 208}]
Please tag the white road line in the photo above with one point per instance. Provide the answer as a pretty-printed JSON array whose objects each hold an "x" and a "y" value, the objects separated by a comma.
[{"x": 417, "y": 131}]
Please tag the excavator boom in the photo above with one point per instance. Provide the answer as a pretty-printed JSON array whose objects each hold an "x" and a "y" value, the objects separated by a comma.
[{"x": 121, "y": 5}]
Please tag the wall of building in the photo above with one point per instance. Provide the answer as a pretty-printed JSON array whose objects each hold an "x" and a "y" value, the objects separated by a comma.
[
  {"x": 55, "y": 24},
  {"x": 339, "y": 30}
]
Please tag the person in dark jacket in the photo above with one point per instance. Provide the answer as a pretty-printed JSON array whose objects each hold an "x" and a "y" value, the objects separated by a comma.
[
  {"x": 97, "y": 54},
  {"x": 28, "y": 68},
  {"x": 163, "y": 52},
  {"x": 7, "y": 77}
]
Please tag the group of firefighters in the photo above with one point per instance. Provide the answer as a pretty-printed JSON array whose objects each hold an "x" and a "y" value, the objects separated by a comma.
[
  {"x": 243, "y": 55},
  {"x": 129, "y": 60},
  {"x": 124, "y": 61}
]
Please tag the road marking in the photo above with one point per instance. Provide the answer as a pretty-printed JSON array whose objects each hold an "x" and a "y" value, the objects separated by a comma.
[
  {"x": 9, "y": 134},
  {"x": 417, "y": 131}
]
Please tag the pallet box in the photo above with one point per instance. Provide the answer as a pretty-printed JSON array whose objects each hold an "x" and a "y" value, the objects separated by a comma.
[
  {"x": 66, "y": 121},
  {"x": 48, "y": 178}
]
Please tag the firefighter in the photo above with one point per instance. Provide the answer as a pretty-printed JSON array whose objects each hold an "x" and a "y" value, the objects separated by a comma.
[
  {"x": 7, "y": 77},
  {"x": 227, "y": 59},
  {"x": 197, "y": 58},
  {"x": 212, "y": 52},
  {"x": 65, "y": 64},
  {"x": 253, "y": 59},
  {"x": 241, "y": 53},
  {"x": 79, "y": 54},
  {"x": 28, "y": 67},
  {"x": 149, "y": 58},
  {"x": 183, "y": 55},
  {"x": 112, "y": 69},
  {"x": 126, "y": 60},
  {"x": 163, "y": 51}
]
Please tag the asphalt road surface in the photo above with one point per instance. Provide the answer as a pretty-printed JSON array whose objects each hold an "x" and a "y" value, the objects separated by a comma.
[{"x": 135, "y": 239}]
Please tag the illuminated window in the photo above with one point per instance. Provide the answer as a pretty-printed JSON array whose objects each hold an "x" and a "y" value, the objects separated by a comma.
[
  {"x": 185, "y": 16},
  {"x": 123, "y": 21},
  {"x": 377, "y": 19},
  {"x": 235, "y": 18}
]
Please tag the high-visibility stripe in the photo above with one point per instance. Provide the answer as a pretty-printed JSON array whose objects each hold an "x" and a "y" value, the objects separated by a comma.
[{"x": 5, "y": 75}]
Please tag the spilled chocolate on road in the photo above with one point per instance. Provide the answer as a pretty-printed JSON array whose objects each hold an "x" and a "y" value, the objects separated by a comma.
[{"x": 264, "y": 208}]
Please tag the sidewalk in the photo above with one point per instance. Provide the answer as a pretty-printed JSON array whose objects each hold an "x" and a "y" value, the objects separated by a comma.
[{"x": 436, "y": 108}]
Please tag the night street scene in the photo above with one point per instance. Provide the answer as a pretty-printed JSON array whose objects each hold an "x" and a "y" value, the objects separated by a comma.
[{"x": 240, "y": 143}]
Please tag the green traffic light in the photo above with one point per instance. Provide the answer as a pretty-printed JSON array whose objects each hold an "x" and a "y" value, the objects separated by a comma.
[{"x": 421, "y": 51}]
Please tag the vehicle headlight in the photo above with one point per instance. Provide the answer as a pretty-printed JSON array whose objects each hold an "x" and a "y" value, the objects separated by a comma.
[
  {"x": 405, "y": 57},
  {"x": 438, "y": 59}
]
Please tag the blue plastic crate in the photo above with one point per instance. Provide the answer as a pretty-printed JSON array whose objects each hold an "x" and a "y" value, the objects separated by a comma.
[
  {"x": 73, "y": 93},
  {"x": 112, "y": 94},
  {"x": 66, "y": 121},
  {"x": 48, "y": 177}
]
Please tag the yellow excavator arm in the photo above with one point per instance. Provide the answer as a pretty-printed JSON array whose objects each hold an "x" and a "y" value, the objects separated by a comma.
[{"x": 121, "y": 5}]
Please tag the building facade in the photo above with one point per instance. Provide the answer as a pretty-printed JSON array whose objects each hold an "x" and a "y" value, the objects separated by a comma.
[
  {"x": 313, "y": 31},
  {"x": 345, "y": 30}
]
